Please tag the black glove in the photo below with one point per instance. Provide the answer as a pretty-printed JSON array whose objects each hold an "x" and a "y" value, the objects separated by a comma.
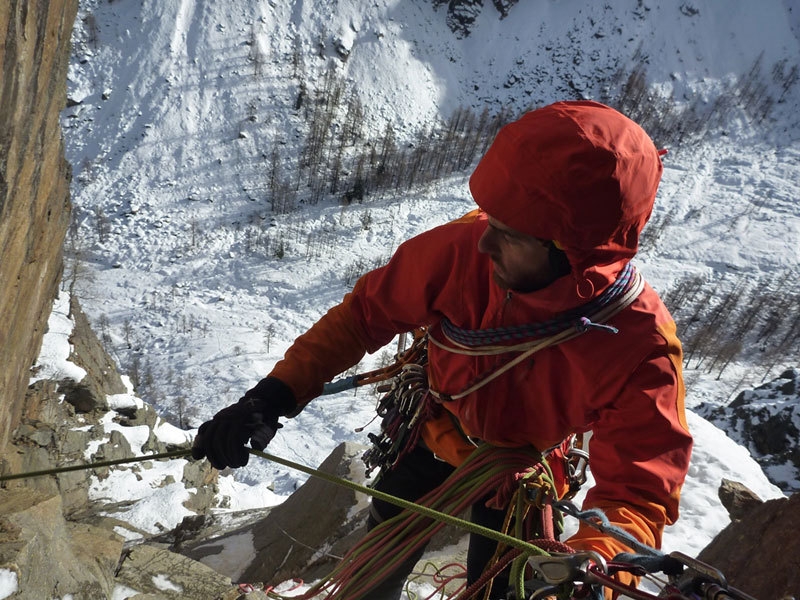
[{"x": 254, "y": 417}]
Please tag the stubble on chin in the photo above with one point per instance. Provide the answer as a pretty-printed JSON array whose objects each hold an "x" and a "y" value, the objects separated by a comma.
[{"x": 498, "y": 279}]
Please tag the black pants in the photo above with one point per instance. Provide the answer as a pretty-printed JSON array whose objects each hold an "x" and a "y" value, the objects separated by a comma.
[{"x": 416, "y": 475}]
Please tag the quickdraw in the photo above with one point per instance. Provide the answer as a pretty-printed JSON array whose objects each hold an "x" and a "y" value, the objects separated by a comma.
[{"x": 402, "y": 409}]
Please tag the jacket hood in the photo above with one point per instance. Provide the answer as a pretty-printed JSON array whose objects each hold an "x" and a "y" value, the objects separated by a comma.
[{"x": 577, "y": 172}]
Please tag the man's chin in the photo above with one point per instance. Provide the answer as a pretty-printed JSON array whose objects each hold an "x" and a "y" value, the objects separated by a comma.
[{"x": 498, "y": 279}]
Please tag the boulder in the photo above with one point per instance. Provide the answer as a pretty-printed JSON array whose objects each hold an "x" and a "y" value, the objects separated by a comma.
[
  {"x": 291, "y": 537},
  {"x": 758, "y": 551},
  {"x": 737, "y": 499},
  {"x": 51, "y": 556}
]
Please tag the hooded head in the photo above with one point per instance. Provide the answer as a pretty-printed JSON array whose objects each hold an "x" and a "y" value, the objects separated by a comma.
[{"x": 579, "y": 173}]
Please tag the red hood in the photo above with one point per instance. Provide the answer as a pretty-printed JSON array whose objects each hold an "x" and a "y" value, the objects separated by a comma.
[{"x": 580, "y": 173}]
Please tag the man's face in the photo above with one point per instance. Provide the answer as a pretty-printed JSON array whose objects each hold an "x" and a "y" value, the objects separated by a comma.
[{"x": 521, "y": 262}]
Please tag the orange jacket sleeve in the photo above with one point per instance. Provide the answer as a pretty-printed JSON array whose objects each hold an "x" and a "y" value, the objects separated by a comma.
[
  {"x": 398, "y": 297},
  {"x": 639, "y": 456}
]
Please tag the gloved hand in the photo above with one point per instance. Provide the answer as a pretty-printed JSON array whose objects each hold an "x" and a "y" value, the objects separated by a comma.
[{"x": 254, "y": 417}]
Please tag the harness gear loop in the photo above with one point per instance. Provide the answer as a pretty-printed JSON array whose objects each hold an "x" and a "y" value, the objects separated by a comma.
[{"x": 403, "y": 407}]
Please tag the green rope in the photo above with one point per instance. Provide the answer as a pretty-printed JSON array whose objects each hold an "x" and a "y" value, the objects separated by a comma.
[
  {"x": 378, "y": 571},
  {"x": 422, "y": 510},
  {"x": 417, "y": 508},
  {"x": 95, "y": 465},
  {"x": 487, "y": 470}
]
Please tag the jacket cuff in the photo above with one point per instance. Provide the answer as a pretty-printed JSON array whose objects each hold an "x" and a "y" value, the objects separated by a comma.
[{"x": 275, "y": 394}]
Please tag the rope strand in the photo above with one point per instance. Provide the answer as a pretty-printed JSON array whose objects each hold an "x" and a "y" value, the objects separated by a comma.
[{"x": 95, "y": 465}]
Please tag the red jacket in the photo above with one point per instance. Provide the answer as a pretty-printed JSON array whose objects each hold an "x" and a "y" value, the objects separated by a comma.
[{"x": 625, "y": 388}]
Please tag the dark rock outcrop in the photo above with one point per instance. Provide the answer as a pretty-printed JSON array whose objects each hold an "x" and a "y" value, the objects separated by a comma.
[
  {"x": 462, "y": 14},
  {"x": 758, "y": 552},
  {"x": 737, "y": 499},
  {"x": 764, "y": 420}
]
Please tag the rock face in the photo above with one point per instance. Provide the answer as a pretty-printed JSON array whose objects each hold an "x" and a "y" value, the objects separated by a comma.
[
  {"x": 757, "y": 552},
  {"x": 54, "y": 542},
  {"x": 462, "y": 14},
  {"x": 34, "y": 184},
  {"x": 765, "y": 420},
  {"x": 54, "y": 538},
  {"x": 51, "y": 556}
]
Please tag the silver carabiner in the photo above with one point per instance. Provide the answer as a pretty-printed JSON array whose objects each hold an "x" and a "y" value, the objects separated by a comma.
[{"x": 577, "y": 461}]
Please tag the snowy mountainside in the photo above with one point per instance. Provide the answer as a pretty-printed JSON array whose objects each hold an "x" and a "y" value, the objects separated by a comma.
[
  {"x": 199, "y": 287},
  {"x": 766, "y": 421}
]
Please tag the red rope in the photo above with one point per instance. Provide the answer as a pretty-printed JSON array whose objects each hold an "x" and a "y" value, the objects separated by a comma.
[{"x": 392, "y": 542}]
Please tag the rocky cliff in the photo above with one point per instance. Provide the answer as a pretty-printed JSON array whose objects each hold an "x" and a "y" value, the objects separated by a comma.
[
  {"x": 766, "y": 421},
  {"x": 54, "y": 541},
  {"x": 34, "y": 185}
]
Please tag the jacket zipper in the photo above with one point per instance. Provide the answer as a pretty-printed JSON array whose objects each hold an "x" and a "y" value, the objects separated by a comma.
[{"x": 504, "y": 306}]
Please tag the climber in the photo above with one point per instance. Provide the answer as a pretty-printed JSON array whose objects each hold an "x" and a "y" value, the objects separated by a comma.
[{"x": 563, "y": 194}]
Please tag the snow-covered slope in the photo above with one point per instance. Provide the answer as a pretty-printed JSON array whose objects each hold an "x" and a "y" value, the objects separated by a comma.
[{"x": 180, "y": 104}]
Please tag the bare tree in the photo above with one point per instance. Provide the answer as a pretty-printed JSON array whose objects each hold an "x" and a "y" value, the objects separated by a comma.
[{"x": 256, "y": 55}]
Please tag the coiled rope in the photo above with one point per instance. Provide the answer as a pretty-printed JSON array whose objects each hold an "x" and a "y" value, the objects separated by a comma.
[
  {"x": 575, "y": 318},
  {"x": 395, "y": 540},
  {"x": 571, "y": 328}
]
